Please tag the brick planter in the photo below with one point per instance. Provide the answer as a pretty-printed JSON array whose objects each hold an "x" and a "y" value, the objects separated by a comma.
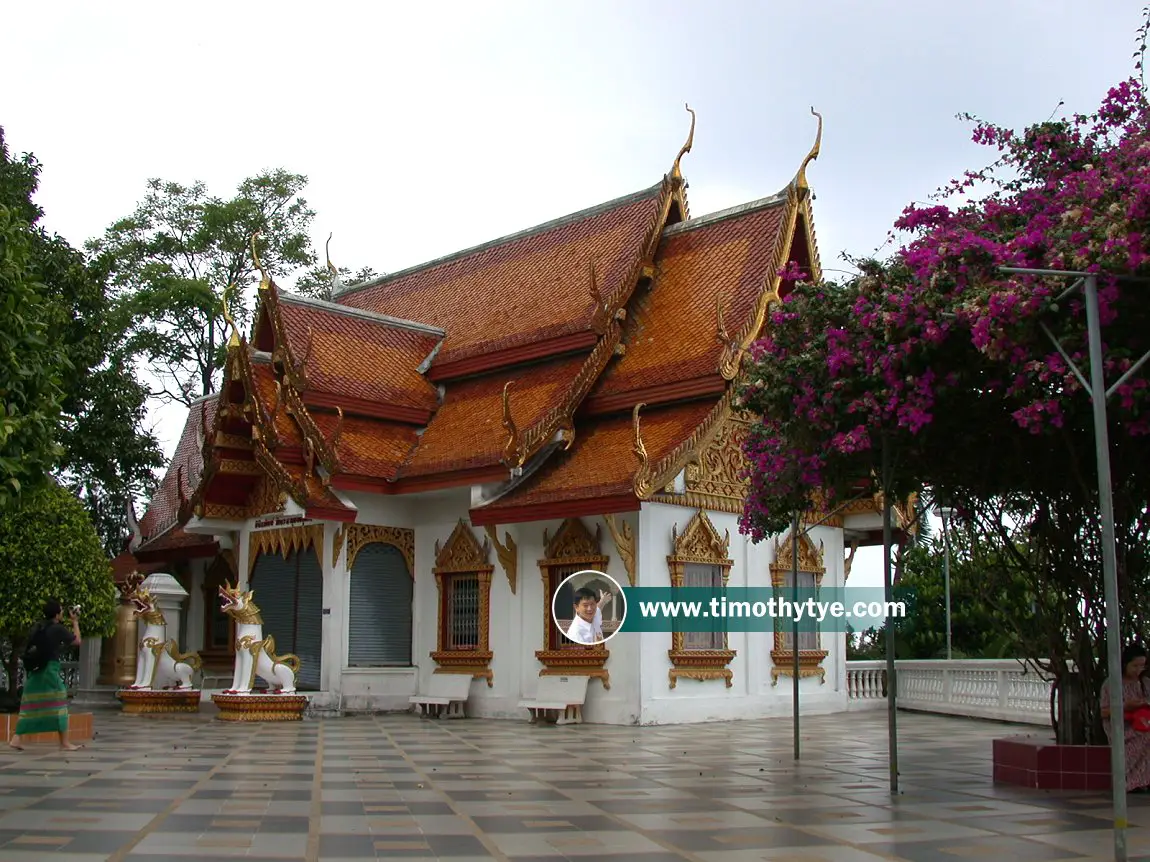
[
  {"x": 1038, "y": 762},
  {"x": 79, "y": 728}
]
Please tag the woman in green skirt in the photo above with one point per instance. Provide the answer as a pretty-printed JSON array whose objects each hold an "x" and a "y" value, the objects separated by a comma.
[{"x": 44, "y": 706}]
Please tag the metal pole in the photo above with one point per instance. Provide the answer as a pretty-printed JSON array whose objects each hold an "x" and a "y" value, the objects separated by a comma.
[
  {"x": 1109, "y": 571},
  {"x": 888, "y": 590},
  {"x": 795, "y": 628},
  {"x": 946, "y": 579}
]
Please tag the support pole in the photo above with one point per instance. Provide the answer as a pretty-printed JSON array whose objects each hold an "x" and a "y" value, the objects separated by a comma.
[
  {"x": 888, "y": 591},
  {"x": 946, "y": 579},
  {"x": 1109, "y": 571},
  {"x": 795, "y": 629}
]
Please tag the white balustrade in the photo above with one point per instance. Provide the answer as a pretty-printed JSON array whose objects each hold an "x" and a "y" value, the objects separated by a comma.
[{"x": 1001, "y": 689}]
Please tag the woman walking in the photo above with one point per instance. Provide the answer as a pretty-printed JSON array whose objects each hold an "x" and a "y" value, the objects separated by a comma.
[{"x": 44, "y": 706}]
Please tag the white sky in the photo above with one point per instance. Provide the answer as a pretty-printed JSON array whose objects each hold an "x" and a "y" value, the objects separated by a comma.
[{"x": 428, "y": 127}]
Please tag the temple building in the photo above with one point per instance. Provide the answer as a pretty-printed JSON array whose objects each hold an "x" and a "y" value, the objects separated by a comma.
[{"x": 405, "y": 474}]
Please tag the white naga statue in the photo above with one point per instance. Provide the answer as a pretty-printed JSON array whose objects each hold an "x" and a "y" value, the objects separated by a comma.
[
  {"x": 256, "y": 654},
  {"x": 159, "y": 663}
]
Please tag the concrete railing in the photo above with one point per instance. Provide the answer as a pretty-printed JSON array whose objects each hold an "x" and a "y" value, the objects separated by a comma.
[{"x": 1002, "y": 689}]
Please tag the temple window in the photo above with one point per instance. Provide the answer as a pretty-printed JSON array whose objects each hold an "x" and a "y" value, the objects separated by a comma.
[
  {"x": 699, "y": 559},
  {"x": 463, "y": 578},
  {"x": 810, "y": 571},
  {"x": 572, "y": 549},
  {"x": 381, "y": 589}
]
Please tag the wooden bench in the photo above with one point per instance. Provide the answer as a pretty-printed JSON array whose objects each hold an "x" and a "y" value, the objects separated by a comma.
[
  {"x": 445, "y": 697},
  {"x": 558, "y": 700}
]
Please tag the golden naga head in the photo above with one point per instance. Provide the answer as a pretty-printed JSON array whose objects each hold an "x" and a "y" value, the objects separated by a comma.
[
  {"x": 143, "y": 601},
  {"x": 234, "y": 600}
]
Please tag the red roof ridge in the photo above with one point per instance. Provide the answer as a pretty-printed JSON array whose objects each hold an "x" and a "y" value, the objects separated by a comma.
[
  {"x": 728, "y": 213},
  {"x": 544, "y": 227},
  {"x": 352, "y": 311}
]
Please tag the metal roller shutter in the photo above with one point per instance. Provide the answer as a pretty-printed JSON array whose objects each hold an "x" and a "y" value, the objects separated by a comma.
[
  {"x": 273, "y": 586},
  {"x": 309, "y": 619},
  {"x": 289, "y": 594},
  {"x": 379, "y": 615}
]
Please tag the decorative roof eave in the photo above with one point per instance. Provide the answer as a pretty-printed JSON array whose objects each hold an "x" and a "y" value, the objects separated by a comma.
[
  {"x": 651, "y": 478},
  {"x": 294, "y": 380},
  {"x": 585, "y": 507},
  {"x": 797, "y": 200},
  {"x": 559, "y": 420}
]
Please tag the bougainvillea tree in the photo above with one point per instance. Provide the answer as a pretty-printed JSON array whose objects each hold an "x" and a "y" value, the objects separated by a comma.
[{"x": 951, "y": 364}]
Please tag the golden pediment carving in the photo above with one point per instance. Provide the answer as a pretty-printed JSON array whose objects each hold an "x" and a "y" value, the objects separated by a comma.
[
  {"x": 701, "y": 542},
  {"x": 810, "y": 557},
  {"x": 462, "y": 552},
  {"x": 718, "y": 471},
  {"x": 573, "y": 540}
]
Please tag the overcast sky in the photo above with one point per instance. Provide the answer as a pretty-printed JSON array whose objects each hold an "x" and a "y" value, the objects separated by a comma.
[{"x": 429, "y": 127}]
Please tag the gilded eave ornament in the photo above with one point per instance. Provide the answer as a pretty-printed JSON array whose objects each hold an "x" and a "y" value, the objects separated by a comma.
[
  {"x": 676, "y": 170},
  {"x": 265, "y": 280},
  {"x": 512, "y": 456},
  {"x": 642, "y": 478},
  {"x": 801, "y": 178},
  {"x": 234, "y": 340}
]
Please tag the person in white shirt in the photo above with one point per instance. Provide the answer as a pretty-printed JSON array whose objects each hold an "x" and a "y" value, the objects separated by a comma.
[{"x": 587, "y": 626}]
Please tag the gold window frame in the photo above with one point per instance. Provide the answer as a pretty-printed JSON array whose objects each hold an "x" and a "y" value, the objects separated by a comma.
[
  {"x": 701, "y": 544},
  {"x": 464, "y": 555},
  {"x": 572, "y": 545},
  {"x": 811, "y": 562}
]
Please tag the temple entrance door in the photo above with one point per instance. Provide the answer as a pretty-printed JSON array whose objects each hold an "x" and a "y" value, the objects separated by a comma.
[
  {"x": 289, "y": 594},
  {"x": 219, "y": 647}
]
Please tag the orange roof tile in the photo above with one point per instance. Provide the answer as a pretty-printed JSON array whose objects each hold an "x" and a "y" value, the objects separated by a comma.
[
  {"x": 359, "y": 355},
  {"x": 522, "y": 288},
  {"x": 602, "y": 463},
  {"x": 186, "y": 465},
  {"x": 369, "y": 447},
  {"x": 467, "y": 430},
  {"x": 670, "y": 332}
]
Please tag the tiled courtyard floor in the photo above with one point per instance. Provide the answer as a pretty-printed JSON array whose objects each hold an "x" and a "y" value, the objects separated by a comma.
[{"x": 401, "y": 787}]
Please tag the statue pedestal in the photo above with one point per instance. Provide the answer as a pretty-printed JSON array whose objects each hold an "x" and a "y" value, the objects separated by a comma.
[
  {"x": 260, "y": 707},
  {"x": 141, "y": 701}
]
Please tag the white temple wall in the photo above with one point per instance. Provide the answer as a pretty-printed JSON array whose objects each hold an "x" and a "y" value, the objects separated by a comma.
[{"x": 751, "y": 694}]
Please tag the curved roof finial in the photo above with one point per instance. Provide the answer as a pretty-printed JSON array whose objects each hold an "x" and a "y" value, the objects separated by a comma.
[
  {"x": 265, "y": 282},
  {"x": 801, "y": 178},
  {"x": 234, "y": 340},
  {"x": 327, "y": 253},
  {"x": 675, "y": 170}
]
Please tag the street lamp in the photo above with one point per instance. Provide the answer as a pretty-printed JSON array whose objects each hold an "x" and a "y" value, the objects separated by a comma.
[{"x": 946, "y": 513}]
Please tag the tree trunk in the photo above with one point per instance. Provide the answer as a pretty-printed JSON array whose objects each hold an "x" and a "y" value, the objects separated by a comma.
[{"x": 1070, "y": 727}]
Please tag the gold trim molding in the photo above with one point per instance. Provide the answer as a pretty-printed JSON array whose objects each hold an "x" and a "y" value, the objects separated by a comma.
[
  {"x": 572, "y": 545},
  {"x": 624, "y": 538},
  {"x": 508, "y": 554},
  {"x": 361, "y": 535},
  {"x": 811, "y": 562},
  {"x": 283, "y": 541},
  {"x": 700, "y": 544},
  {"x": 463, "y": 555}
]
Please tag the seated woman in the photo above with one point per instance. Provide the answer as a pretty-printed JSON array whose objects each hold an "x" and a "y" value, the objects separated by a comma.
[{"x": 1134, "y": 694}]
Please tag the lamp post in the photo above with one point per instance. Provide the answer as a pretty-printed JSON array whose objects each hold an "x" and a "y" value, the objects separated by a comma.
[{"x": 945, "y": 512}]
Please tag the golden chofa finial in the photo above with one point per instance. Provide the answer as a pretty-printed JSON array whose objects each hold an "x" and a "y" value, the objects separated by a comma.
[
  {"x": 637, "y": 443},
  {"x": 234, "y": 340},
  {"x": 511, "y": 455},
  {"x": 676, "y": 172},
  {"x": 801, "y": 179},
  {"x": 327, "y": 253},
  {"x": 265, "y": 282}
]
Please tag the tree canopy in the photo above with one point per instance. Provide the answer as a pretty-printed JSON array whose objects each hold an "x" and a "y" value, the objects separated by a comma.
[
  {"x": 49, "y": 550},
  {"x": 95, "y": 434},
  {"x": 182, "y": 252}
]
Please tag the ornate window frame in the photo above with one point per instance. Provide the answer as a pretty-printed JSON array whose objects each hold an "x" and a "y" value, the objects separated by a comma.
[
  {"x": 572, "y": 545},
  {"x": 700, "y": 543},
  {"x": 463, "y": 555},
  {"x": 811, "y": 562}
]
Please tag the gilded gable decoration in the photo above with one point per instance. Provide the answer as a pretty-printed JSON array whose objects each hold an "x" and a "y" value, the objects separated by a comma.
[
  {"x": 463, "y": 580},
  {"x": 811, "y": 565},
  {"x": 676, "y": 169},
  {"x": 511, "y": 454},
  {"x": 706, "y": 657},
  {"x": 573, "y": 543},
  {"x": 462, "y": 552},
  {"x": 401, "y": 538},
  {"x": 337, "y": 544},
  {"x": 508, "y": 554}
]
